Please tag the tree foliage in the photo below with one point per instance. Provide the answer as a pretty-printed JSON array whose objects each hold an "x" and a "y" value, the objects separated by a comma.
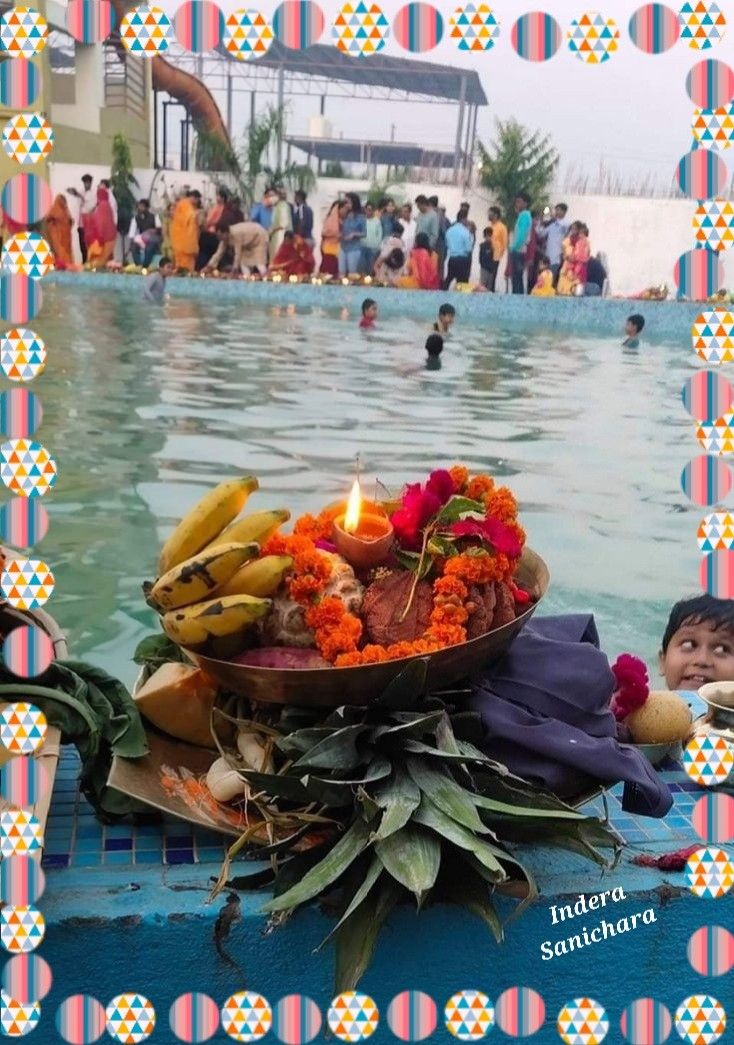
[
  {"x": 519, "y": 160},
  {"x": 122, "y": 180}
]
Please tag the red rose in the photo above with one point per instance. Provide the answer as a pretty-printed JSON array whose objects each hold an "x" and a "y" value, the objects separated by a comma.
[
  {"x": 493, "y": 531},
  {"x": 441, "y": 485}
]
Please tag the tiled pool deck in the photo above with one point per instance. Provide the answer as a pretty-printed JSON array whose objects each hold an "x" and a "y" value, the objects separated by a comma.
[{"x": 602, "y": 316}]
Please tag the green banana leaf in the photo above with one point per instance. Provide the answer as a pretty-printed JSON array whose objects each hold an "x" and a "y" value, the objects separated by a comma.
[
  {"x": 430, "y": 816},
  {"x": 413, "y": 857},
  {"x": 325, "y": 873},
  {"x": 399, "y": 797},
  {"x": 445, "y": 793},
  {"x": 357, "y": 937}
]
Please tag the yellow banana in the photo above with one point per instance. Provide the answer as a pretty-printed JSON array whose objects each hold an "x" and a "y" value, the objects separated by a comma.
[
  {"x": 262, "y": 577},
  {"x": 191, "y": 626},
  {"x": 206, "y": 520},
  {"x": 258, "y": 526},
  {"x": 199, "y": 577}
]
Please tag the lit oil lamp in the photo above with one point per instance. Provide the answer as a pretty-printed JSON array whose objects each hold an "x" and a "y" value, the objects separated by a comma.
[
  {"x": 293, "y": 279},
  {"x": 363, "y": 538},
  {"x": 345, "y": 282},
  {"x": 367, "y": 281}
]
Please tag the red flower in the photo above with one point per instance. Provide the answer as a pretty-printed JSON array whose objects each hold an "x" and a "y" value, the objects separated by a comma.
[
  {"x": 418, "y": 507},
  {"x": 632, "y": 685},
  {"x": 493, "y": 531},
  {"x": 441, "y": 485}
]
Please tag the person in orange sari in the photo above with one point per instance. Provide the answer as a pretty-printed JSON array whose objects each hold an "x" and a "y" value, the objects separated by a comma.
[
  {"x": 422, "y": 267},
  {"x": 576, "y": 254},
  {"x": 331, "y": 238},
  {"x": 293, "y": 257},
  {"x": 185, "y": 234},
  {"x": 101, "y": 232},
  {"x": 59, "y": 224}
]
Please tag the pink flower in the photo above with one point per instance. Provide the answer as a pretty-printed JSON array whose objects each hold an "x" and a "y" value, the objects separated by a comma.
[
  {"x": 418, "y": 507},
  {"x": 441, "y": 485},
  {"x": 632, "y": 685},
  {"x": 493, "y": 531}
]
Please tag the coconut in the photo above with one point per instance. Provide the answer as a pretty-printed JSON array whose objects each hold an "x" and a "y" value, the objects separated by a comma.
[
  {"x": 663, "y": 718},
  {"x": 286, "y": 625}
]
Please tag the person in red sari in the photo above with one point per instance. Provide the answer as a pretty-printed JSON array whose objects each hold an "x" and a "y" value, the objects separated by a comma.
[
  {"x": 422, "y": 268},
  {"x": 293, "y": 257},
  {"x": 101, "y": 232}
]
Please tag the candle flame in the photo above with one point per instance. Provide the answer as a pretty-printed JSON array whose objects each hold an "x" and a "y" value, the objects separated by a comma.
[{"x": 354, "y": 507}]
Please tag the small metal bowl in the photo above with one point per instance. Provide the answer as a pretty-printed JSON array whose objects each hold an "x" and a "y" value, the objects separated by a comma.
[{"x": 333, "y": 687}]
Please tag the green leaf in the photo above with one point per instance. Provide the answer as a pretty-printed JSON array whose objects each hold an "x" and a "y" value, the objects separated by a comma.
[
  {"x": 413, "y": 857},
  {"x": 507, "y": 809},
  {"x": 418, "y": 726},
  {"x": 442, "y": 546},
  {"x": 325, "y": 873},
  {"x": 155, "y": 650},
  {"x": 417, "y": 747},
  {"x": 445, "y": 793},
  {"x": 292, "y": 870},
  {"x": 406, "y": 689},
  {"x": 460, "y": 508},
  {"x": 377, "y": 769},
  {"x": 431, "y": 816},
  {"x": 276, "y": 785},
  {"x": 399, "y": 798},
  {"x": 302, "y": 740},
  {"x": 337, "y": 751},
  {"x": 371, "y": 875},
  {"x": 469, "y": 890},
  {"x": 414, "y": 562},
  {"x": 357, "y": 937}
]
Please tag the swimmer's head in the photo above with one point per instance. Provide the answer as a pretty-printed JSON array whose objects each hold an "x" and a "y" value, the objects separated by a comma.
[{"x": 434, "y": 345}]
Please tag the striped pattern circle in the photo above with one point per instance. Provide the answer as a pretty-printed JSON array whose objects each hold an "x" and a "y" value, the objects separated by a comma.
[
  {"x": 699, "y": 274},
  {"x": 27, "y": 253},
  {"x": 16, "y": 1019},
  {"x": 146, "y": 31},
  {"x": 27, "y": 584},
  {"x": 23, "y": 32},
  {"x": 360, "y": 28},
  {"x": 706, "y": 480},
  {"x": 700, "y": 1019},
  {"x": 593, "y": 38},
  {"x": 707, "y": 395},
  {"x": 709, "y": 872},
  {"x": 297, "y": 1019},
  {"x": 90, "y": 21},
  {"x": 298, "y": 24},
  {"x": 247, "y": 34},
  {"x": 130, "y": 1018},
  {"x": 717, "y": 437},
  {"x": 20, "y": 834},
  {"x": 23, "y": 728},
  {"x": 708, "y": 760},
  {"x": 702, "y": 24},
  {"x": 22, "y": 929},
  {"x": 474, "y": 27},
  {"x": 714, "y": 127},
  {"x": 80, "y": 1020},
  {"x": 713, "y": 818},
  {"x": 194, "y": 1017},
  {"x": 716, "y": 532},
  {"x": 353, "y": 1016},
  {"x": 198, "y": 25},
  {"x": 582, "y": 1022},
  {"x": 536, "y": 36},
  {"x": 26, "y": 198},
  {"x": 28, "y": 138},
  {"x": 520, "y": 1012},
  {"x": 24, "y": 782},
  {"x": 20, "y": 84},
  {"x": 23, "y": 522},
  {"x": 21, "y": 298},
  {"x": 246, "y": 1016},
  {"x": 418, "y": 27},
  {"x": 469, "y": 1015},
  {"x": 27, "y": 468},
  {"x": 713, "y": 224},
  {"x": 716, "y": 574},
  {"x": 22, "y": 354},
  {"x": 27, "y": 651},
  {"x": 654, "y": 28},
  {"x": 20, "y": 413},
  {"x": 710, "y": 84},
  {"x": 711, "y": 951},
  {"x": 412, "y": 1016},
  {"x": 22, "y": 881},
  {"x": 646, "y": 1022},
  {"x": 701, "y": 174},
  {"x": 712, "y": 336}
]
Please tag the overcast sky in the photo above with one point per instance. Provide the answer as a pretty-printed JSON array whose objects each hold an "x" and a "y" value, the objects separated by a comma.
[{"x": 632, "y": 113}]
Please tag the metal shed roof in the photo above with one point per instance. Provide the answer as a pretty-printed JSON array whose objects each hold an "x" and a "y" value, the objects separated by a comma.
[{"x": 382, "y": 153}]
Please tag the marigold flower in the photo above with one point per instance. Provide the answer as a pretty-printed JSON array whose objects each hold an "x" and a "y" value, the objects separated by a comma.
[
  {"x": 460, "y": 475},
  {"x": 479, "y": 487},
  {"x": 502, "y": 505}
]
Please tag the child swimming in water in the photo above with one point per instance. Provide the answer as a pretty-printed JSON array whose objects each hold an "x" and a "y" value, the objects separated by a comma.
[
  {"x": 369, "y": 314},
  {"x": 446, "y": 317},
  {"x": 154, "y": 290},
  {"x": 698, "y": 644},
  {"x": 633, "y": 328}
]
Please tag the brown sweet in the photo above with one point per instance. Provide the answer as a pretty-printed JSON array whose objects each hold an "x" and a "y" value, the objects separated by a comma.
[
  {"x": 504, "y": 612},
  {"x": 384, "y": 604},
  {"x": 484, "y": 601}
]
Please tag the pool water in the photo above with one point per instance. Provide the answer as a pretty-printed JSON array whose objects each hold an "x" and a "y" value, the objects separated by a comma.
[{"x": 144, "y": 409}]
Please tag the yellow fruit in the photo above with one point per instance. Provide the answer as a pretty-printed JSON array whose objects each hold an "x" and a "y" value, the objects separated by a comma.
[
  {"x": 192, "y": 626},
  {"x": 663, "y": 718},
  {"x": 206, "y": 520},
  {"x": 178, "y": 700},
  {"x": 199, "y": 577},
  {"x": 262, "y": 577},
  {"x": 259, "y": 526}
]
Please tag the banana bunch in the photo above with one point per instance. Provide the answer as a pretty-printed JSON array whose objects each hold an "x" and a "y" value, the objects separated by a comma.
[{"x": 213, "y": 586}]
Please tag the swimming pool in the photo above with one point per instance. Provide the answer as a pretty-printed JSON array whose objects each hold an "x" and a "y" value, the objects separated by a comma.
[{"x": 145, "y": 408}]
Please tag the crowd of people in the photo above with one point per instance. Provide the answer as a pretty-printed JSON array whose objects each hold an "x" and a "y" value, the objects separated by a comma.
[{"x": 410, "y": 246}]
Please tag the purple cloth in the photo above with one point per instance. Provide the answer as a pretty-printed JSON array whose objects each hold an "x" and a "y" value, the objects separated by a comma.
[{"x": 545, "y": 709}]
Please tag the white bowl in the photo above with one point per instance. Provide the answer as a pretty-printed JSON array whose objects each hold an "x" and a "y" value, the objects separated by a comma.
[{"x": 718, "y": 695}]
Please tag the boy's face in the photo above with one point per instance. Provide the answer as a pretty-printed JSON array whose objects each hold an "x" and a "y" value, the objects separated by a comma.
[
  {"x": 630, "y": 329},
  {"x": 167, "y": 270},
  {"x": 696, "y": 655},
  {"x": 371, "y": 312},
  {"x": 446, "y": 321}
]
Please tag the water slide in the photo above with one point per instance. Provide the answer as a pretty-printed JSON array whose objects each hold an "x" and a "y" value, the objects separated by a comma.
[{"x": 185, "y": 88}]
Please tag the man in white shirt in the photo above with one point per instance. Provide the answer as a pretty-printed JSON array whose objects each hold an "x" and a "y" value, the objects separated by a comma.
[
  {"x": 88, "y": 201},
  {"x": 409, "y": 227}
]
